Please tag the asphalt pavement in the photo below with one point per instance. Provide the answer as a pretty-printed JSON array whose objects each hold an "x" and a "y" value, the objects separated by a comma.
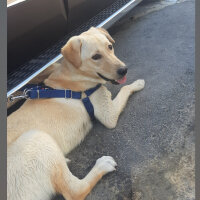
[{"x": 153, "y": 142}]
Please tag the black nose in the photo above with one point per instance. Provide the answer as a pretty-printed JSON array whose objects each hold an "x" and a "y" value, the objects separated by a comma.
[{"x": 122, "y": 71}]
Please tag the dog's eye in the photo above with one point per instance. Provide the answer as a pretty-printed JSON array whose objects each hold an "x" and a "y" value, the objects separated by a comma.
[
  {"x": 110, "y": 46},
  {"x": 96, "y": 57}
]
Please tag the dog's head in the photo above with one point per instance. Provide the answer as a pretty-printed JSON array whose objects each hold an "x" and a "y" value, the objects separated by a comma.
[{"x": 92, "y": 53}]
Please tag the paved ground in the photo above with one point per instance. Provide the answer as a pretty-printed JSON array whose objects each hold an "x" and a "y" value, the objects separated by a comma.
[{"x": 153, "y": 142}]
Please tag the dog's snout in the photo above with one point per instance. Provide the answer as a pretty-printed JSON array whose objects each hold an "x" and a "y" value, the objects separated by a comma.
[{"x": 122, "y": 71}]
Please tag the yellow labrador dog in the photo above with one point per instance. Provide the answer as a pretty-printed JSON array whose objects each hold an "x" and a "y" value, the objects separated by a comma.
[{"x": 42, "y": 131}]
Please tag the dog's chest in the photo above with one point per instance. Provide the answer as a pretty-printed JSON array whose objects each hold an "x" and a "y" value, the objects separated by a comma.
[{"x": 75, "y": 124}]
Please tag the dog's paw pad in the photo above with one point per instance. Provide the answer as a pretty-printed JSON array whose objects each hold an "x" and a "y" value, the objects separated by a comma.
[
  {"x": 106, "y": 164},
  {"x": 138, "y": 85}
]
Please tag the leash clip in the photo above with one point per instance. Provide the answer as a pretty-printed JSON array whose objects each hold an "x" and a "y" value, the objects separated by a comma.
[{"x": 12, "y": 98}]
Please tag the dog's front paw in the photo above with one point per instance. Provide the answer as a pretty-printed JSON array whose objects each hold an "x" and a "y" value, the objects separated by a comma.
[
  {"x": 105, "y": 164},
  {"x": 137, "y": 85}
]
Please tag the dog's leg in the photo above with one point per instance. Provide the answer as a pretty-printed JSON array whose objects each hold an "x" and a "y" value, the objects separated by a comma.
[
  {"x": 107, "y": 110},
  {"x": 123, "y": 95},
  {"x": 73, "y": 188}
]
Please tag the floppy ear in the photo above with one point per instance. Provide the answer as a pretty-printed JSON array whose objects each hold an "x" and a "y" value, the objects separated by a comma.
[
  {"x": 102, "y": 30},
  {"x": 72, "y": 51}
]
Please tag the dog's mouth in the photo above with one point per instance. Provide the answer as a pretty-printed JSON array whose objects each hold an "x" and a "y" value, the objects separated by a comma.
[{"x": 115, "y": 82}]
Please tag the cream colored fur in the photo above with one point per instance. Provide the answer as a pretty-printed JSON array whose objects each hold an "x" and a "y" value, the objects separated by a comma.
[{"x": 41, "y": 132}]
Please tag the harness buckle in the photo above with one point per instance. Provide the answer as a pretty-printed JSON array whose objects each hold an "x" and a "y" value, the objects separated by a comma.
[
  {"x": 68, "y": 94},
  {"x": 38, "y": 94}
]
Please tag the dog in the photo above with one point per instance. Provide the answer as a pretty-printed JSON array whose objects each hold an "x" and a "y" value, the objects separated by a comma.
[{"x": 42, "y": 131}]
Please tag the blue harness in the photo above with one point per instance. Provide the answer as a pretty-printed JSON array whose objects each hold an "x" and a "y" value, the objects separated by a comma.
[{"x": 43, "y": 92}]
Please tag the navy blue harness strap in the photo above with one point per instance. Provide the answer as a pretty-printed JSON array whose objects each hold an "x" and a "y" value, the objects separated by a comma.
[
  {"x": 92, "y": 90},
  {"x": 87, "y": 103},
  {"x": 49, "y": 93},
  {"x": 41, "y": 92},
  {"x": 89, "y": 107}
]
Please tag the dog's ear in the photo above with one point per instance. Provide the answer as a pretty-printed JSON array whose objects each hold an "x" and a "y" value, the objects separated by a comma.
[
  {"x": 72, "y": 51},
  {"x": 102, "y": 30}
]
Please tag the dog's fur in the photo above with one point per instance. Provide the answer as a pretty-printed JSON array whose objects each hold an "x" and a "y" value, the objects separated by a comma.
[{"x": 42, "y": 131}]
